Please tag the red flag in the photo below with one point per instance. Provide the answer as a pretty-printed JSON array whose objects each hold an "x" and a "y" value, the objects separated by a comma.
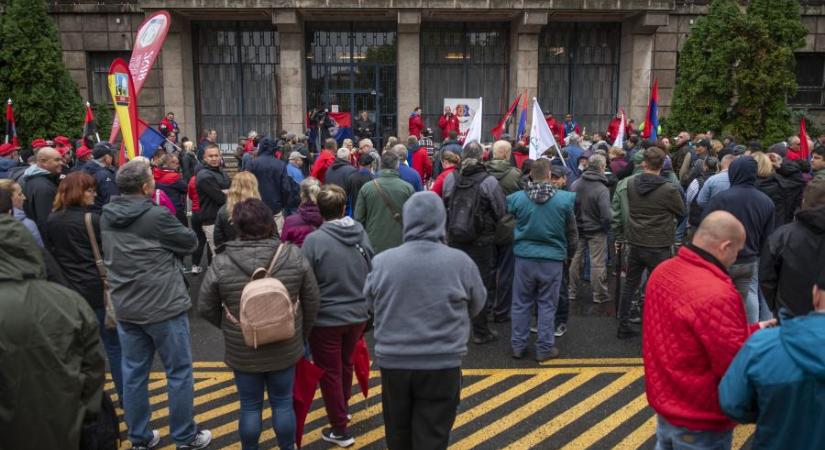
[
  {"x": 804, "y": 149},
  {"x": 90, "y": 135},
  {"x": 499, "y": 129},
  {"x": 361, "y": 365},
  {"x": 11, "y": 129},
  {"x": 307, "y": 376}
]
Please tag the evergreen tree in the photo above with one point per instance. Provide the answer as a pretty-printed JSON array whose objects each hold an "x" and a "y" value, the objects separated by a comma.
[
  {"x": 46, "y": 100},
  {"x": 707, "y": 64}
]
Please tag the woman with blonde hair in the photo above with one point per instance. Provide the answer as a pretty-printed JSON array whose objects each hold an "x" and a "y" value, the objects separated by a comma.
[
  {"x": 298, "y": 226},
  {"x": 244, "y": 186},
  {"x": 769, "y": 184}
]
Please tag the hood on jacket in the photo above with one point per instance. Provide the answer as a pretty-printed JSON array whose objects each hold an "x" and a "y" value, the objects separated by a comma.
[
  {"x": 165, "y": 176},
  {"x": 813, "y": 218},
  {"x": 789, "y": 175},
  {"x": 310, "y": 214},
  {"x": 125, "y": 210},
  {"x": 498, "y": 168},
  {"x": 339, "y": 162},
  {"x": 594, "y": 175},
  {"x": 6, "y": 164},
  {"x": 647, "y": 182},
  {"x": 267, "y": 146},
  {"x": 540, "y": 192},
  {"x": 742, "y": 171},
  {"x": 19, "y": 256},
  {"x": 345, "y": 230},
  {"x": 35, "y": 170},
  {"x": 424, "y": 217},
  {"x": 802, "y": 339}
]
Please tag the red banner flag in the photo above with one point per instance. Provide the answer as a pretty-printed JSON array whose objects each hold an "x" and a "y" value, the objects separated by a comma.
[
  {"x": 90, "y": 128},
  {"x": 11, "y": 129},
  {"x": 124, "y": 97},
  {"x": 804, "y": 148},
  {"x": 148, "y": 43},
  {"x": 499, "y": 129}
]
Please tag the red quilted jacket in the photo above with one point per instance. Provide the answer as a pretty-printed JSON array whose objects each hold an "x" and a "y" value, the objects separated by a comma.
[{"x": 694, "y": 323}]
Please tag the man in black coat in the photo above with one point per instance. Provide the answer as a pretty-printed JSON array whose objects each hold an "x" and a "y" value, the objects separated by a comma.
[
  {"x": 211, "y": 183},
  {"x": 358, "y": 179},
  {"x": 40, "y": 186},
  {"x": 274, "y": 183},
  {"x": 101, "y": 169}
]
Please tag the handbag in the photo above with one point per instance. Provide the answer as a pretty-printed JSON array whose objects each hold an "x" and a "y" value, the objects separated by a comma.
[
  {"x": 110, "y": 321},
  {"x": 396, "y": 215}
]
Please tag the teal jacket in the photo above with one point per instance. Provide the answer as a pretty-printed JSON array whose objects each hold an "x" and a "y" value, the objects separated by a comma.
[
  {"x": 545, "y": 223},
  {"x": 778, "y": 381}
]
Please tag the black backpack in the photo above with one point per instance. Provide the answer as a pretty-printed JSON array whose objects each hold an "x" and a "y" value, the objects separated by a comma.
[
  {"x": 464, "y": 220},
  {"x": 103, "y": 431}
]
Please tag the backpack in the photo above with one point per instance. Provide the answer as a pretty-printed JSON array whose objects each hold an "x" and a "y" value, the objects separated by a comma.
[
  {"x": 267, "y": 314},
  {"x": 464, "y": 221}
]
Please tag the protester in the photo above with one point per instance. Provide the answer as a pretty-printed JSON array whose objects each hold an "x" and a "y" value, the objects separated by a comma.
[
  {"x": 168, "y": 179},
  {"x": 776, "y": 379},
  {"x": 144, "y": 248},
  {"x": 357, "y": 179},
  {"x": 475, "y": 206},
  {"x": 545, "y": 236},
  {"x": 211, "y": 184},
  {"x": 276, "y": 186},
  {"x": 694, "y": 324},
  {"x": 244, "y": 186},
  {"x": 197, "y": 227},
  {"x": 341, "y": 169},
  {"x": 756, "y": 213},
  {"x": 339, "y": 253},
  {"x": 40, "y": 186},
  {"x": 379, "y": 204},
  {"x": 10, "y": 165},
  {"x": 102, "y": 169},
  {"x": 67, "y": 239},
  {"x": 789, "y": 255},
  {"x": 574, "y": 153},
  {"x": 592, "y": 208},
  {"x": 299, "y": 225},
  {"x": 715, "y": 183},
  {"x": 449, "y": 162},
  {"x": 363, "y": 127},
  {"x": 654, "y": 205},
  {"x": 426, "y": 141},
  {"x": 168, "y": 124},
  {"x": 51, "y": 366},
  {"x": 404, "y": 171},
  {"x": 509, "y": 178},
  {"x": 421, "y": 329},
  {"x": 18, "y": 200},
  {"x": 421, "y": 163},
  {"x": 710, "y": 167},
  {"x": 188, "y": 160},
  {"x": 295, "y": 166},
  {"x": 416, "y": 123},
  {"x": 818, "y": 163},
  {"x": 325, "y": 160},
  {"x": 209, "y": 137},
  {"x": 448, "y": 122},
  {"x": 269, "y": 367}
]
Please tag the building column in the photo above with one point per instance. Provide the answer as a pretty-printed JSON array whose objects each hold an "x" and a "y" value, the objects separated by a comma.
[
  {"x": 408, "y": 69},
  {"x": 291, "y": 68},
  {"x": 176, "y": 49},
  {"x": 636, "y": 62},
  {"x": 524, "y": 58}
]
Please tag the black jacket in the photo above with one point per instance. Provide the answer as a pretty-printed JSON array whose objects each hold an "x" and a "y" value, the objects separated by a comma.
[
  {"x": 355, "y": 182},
  {"x": 789, "y": 176},
  {"x": 752, "y": 207},
  {"x": 364, "y": 129},
  {"x": 188, "y": 161},
  {"x": 339, "y": 172},
  {"x": 592, "y": 202},
  {"x": 789, "y": 262},
  {"x": 68, "y": 242},
  {"x": 273, "y": 181},
  {"x": 105, "y": 180},
  {"x": 39, "y": 189},
  {"x": 210, "y": 183},
  {"x": 224, "y": 230},
  {"x": 654, "y": 206}
]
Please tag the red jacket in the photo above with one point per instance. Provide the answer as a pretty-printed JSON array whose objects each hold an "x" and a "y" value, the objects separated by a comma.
[
  {"x": 520, "y": 158},
  {"x": 613, "y": 129},
  {"x": 422, "y": 164},
  {"x": 447, "y": 125},
  {"x": 438, "y": 186},
  {"x": 416, "y": 124},
  {"x": 557, "y": 128},
  {"x": 193, "y": 195},
  {"x": 694, "y": 324},
  {"x": 324, "y": 162}
]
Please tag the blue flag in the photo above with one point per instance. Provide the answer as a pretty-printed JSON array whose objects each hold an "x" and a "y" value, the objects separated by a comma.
[{"x": 150, "y": 140}]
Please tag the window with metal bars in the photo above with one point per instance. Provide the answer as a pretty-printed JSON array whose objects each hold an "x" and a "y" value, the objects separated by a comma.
[
  {"x": 810, "y": 80},
  {"x": 97, "y": 67}
]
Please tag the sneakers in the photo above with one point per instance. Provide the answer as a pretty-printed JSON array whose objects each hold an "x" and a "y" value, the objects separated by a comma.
[
  {"x": 196, "y": 270},
  {"x": 485, "y": 339},
  {"x": 519, "y": 354},
  {"x": 339, "y": 439},
  {"x": 152, "y": 444},
  {"x": 534, "y": 330},
  {"x": 202, "y": 439},
  {"x": 561, "y": 329},
  {"x": 554, "y": 353}
]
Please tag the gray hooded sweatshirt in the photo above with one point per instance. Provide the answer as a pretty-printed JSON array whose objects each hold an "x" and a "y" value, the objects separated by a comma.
[{"x": 423, "y": 293}]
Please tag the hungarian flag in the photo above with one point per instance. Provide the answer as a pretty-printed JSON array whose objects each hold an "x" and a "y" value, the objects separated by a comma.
[
  {"x": 11, "y": 130},
  {"x": 652, "y": 117},
  {"x": 804, "y": 148},
  {"x": 89, "y": 128},
  {"x": 521, "y": 132},
  {"x": 499, "y": 129}
]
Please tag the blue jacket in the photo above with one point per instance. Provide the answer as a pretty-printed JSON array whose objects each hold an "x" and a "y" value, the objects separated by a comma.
[
  {"x": 273, "y": 180},
  {"x": 409, "y": 175},
  {"x": 295, "y": 172},
  {"x": 778, "y": 381},
  {"x": 545, "y": 222},
  {"x": 105, "y": 179},
  {"x": 713, "y": 185}
]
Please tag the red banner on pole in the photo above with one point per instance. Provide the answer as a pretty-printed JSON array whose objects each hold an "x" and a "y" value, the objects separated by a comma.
[{"x": 148, "y": 43}]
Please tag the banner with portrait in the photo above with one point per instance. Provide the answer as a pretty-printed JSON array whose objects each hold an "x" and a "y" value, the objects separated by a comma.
[{"x": 465, "y": 109}]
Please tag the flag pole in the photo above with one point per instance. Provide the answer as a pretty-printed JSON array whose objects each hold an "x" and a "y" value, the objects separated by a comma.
[{"x": 7, "y": 125}]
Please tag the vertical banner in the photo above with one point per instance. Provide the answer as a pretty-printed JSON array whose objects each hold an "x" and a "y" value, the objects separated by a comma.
[
  {"x": 11, "y": 129},
  {"x": 122, "y": 89},
  {"x": 148, "y": 43},
  {"x": 464, "y": 109}
]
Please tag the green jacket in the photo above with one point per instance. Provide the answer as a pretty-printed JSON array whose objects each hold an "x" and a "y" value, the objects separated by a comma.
[
  {"x": 819, "y": 175},
  {"x": 372, "y": 211},
  {"x": 51, "y": 359},
  {"x": 509, "y": 178}
]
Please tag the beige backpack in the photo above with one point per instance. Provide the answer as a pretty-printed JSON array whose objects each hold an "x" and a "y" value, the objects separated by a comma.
[{"x": 267, "y": 314}]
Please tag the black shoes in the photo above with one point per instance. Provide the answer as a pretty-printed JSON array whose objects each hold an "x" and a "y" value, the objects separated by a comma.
[
  {"x": 554, "y": 353},
  {"x": 485, "y": 338},
  {"x": 626, "y": 332}
]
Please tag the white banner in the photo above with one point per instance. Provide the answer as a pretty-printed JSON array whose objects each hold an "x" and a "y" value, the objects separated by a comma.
[
  {"x": 541, "y": 138},
  {"x": 465, "y": 109}
]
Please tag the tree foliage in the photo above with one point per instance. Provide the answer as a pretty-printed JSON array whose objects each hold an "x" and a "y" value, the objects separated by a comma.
[
  {"x": 46, "y": 100},
  {"x": 736, "y": 70}
]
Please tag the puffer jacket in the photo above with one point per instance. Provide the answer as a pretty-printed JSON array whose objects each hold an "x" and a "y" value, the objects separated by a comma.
[
  {"x": 298, "y": 226},
  {"x": 654, "y": 206},
  {"x": 224, "y": 230},
  {"x": 338, "y": 173},
  {"x": 210, "y": 182},
  {"x": 509, "y": 178},
  {"x": 40, "y": 188},
  {"x": 51, "y": 362},
  {"x": 273, "y": 181},
  {"x": 592, "y": 202},
  {"x": 694, "y": 323},
  {"x": 105, "y": 181},
  {"x": 228, "y": 275}
]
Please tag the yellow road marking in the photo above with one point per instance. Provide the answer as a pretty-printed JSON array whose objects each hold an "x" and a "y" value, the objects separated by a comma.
[
  {"x": 608, "y": 424},
  {"x": 534, "y": 438},
  {"x": 741, "y": 434},
  {"x": 639, "y": 436},
  {"x": 593, "y": 361},
  {"x": 540, "y": 370}
]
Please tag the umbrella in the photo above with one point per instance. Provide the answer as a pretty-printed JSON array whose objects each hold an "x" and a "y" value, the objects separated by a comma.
[
  {"x": 361, "y": 363},
  {"x": 307, "y": 376}
]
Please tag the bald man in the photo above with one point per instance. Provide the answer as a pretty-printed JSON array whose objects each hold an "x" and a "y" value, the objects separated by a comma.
[
  {"x": 40, "y": 186},
  {"x": 694, "y": 323}
]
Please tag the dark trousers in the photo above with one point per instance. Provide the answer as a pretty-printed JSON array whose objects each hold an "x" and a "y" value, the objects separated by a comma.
[
  {"x": 332, "y": 350},
  {"x": 639, "y": 259},
  {"x": 419, "y": 407},
  {"x": 197, "y": 226},
  {"x": 563, "y": 310},
  {"x": 505, "y": 261},
  {"x": 484, "y": 257}
]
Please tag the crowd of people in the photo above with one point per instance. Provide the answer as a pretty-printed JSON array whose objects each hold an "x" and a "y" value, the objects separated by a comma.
[{"x": 708, "y": 242}]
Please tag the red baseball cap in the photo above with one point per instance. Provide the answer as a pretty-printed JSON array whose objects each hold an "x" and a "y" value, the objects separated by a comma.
[
  {"x": 8, "y": 149},
  {"x": 39, "y": 143},
  {"x": 83, "y": 151},
  {"x": 62, "y": 141}
]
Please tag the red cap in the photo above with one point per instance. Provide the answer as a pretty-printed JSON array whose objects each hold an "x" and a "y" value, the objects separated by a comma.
[
  {"x": 84, "y": 151},
  {"x": 39, "y": 143},
  {"x": 63, "y": 149},
  {"x": 8, "y": 149},
  {"x": 62, "y": 141}
]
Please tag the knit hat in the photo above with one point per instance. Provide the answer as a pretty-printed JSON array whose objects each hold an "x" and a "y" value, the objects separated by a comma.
[
  {"x": 102, "y": 149},
  {"x": 8, "y": 149}
]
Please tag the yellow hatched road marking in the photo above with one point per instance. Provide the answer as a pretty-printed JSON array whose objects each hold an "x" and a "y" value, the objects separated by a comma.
[
  {"x": 534, "y": 438},
  {"x": 608, "y": 424},
  {"x": 639, "y": 436},
  {"x": 593, "y": 361},
  {"x": 741, "y": 434}
]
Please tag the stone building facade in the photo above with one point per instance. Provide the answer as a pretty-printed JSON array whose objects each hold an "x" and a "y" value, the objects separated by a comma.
[{"x": 238, "y": 65}]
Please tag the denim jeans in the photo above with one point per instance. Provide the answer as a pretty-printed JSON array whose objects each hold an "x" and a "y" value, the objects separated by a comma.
[
  {"x": 251, "y": 393},
  {"x": 536, "y": 282},
  {"x": 746, "y": 279},
  {"x": 113, "y": 352},
  {"x": 670, "y": 437},
  {"x": 171, "y": 340}
]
